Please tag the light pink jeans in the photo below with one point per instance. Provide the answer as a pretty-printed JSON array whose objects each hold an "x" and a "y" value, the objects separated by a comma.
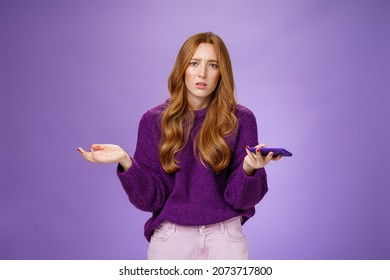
[{"x": 219, "y": 241}]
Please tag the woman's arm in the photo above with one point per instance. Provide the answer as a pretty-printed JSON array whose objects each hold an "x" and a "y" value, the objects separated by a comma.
[
  {"x": 140, "y": 176},
  {"x": 107, "y": 153},
  {"x": 247, "y": 182},
  {"x": 143, "y": 181}
]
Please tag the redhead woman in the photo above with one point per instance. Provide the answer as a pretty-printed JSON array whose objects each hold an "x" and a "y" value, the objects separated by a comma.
[{"x": 192, "y": 168}]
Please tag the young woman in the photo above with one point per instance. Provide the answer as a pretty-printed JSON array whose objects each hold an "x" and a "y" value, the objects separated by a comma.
[{"x": 192, "y": 168}]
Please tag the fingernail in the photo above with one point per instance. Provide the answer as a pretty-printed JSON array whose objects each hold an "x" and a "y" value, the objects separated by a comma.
[
  {"x": 257, "y": 150},
  {"x": 247, "y": 147},
  {"x": 78, "y": 149}
]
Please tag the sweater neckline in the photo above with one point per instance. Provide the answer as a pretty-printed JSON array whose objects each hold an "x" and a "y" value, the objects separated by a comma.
[{"x": 201, "y": 113}]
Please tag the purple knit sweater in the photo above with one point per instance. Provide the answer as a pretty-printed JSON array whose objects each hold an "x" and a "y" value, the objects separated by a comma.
[{"x": 194, "y": 195}]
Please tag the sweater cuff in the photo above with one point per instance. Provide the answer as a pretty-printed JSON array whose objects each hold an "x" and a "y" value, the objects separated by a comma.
[
  {"x": 254, "y": 175},
  {"x": 120, "y": 168}
]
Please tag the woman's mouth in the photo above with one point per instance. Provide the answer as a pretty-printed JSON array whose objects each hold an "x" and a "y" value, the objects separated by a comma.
[{"x": 201, "y": 85}]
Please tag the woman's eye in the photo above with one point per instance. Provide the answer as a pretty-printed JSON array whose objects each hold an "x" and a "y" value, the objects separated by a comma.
[
  {"x": 193, "y": 63},
  {"x": 213, "y": 65}
]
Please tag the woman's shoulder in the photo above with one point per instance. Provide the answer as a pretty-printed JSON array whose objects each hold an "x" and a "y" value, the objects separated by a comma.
[
  {"x": 243, "y": 112},
  {"x": 155, "y": 112}
]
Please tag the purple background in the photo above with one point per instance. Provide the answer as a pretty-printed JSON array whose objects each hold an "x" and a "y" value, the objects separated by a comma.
[{"x": 315, "y": 73}]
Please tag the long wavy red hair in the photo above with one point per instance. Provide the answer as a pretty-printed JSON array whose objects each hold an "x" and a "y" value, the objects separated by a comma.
[{"x": 210, "y": 142}]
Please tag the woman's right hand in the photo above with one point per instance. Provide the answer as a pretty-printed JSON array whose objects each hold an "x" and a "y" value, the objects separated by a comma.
[{"x": 107, "y": 153}]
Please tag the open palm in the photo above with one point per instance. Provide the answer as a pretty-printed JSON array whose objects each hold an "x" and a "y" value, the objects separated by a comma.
[{"x": 103, "y": 153}]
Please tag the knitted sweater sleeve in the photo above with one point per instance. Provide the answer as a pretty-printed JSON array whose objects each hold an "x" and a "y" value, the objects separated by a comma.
[
  {"x": 242, "y": 191},
  {"x": 142, "y": 181}
]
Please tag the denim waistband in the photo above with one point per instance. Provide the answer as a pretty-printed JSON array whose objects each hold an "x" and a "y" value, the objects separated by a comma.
[{"x": 172, "y": 227}]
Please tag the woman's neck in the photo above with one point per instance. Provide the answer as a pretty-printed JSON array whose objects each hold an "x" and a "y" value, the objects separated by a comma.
[{"x": 198, "y": 103}]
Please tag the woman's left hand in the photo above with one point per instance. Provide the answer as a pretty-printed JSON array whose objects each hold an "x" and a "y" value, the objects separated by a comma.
[{"x": 256, "y": 161}]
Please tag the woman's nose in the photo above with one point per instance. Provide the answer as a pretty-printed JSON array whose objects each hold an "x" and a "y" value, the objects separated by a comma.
[{"x": 202, "y": 71}]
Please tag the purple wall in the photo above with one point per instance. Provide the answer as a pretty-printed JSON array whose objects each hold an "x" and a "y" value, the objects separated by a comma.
[{"x": 315, "y": 73}]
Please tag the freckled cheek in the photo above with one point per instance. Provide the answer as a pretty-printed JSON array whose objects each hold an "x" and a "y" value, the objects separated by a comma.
[
  {"x": 215, "y": 79},
  {"x": 188, "y": 75}
]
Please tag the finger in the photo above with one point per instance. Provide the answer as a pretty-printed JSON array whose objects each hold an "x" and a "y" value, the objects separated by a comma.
[
  {"x": 91, "y": 151},
  {"x": 251, "y": 156},
  {"x": 259, "y": 159},
  {"x": 85, "y": 154},
  {"x": 260, "y": 146},
  {"x": 268, "y": 158},
  {"x": 249, "y": 153},
  {"x": 82, "y": 151},
  {"x": 97, "y": 147},
  {"x": 258, "y": 151},
  {"x": 277, "y": 158}
]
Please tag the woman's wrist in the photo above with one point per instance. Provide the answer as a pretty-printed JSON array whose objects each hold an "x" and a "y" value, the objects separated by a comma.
[
  {"x": 248, "y": 169},
  {"x": 125, "y": 162}
]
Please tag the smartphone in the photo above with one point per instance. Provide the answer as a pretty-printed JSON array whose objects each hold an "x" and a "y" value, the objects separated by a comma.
[{"x": 276, "y": 151}]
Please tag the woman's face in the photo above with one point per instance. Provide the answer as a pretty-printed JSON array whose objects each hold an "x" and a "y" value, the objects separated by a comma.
[{"x": 201, "y": 76}]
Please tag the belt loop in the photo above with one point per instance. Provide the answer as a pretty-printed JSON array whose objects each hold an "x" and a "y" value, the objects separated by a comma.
[{"x": 222, "y": 227}]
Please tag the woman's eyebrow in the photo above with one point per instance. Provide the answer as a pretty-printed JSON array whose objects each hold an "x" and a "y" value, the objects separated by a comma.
[{"x": 208, "y": 60}]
